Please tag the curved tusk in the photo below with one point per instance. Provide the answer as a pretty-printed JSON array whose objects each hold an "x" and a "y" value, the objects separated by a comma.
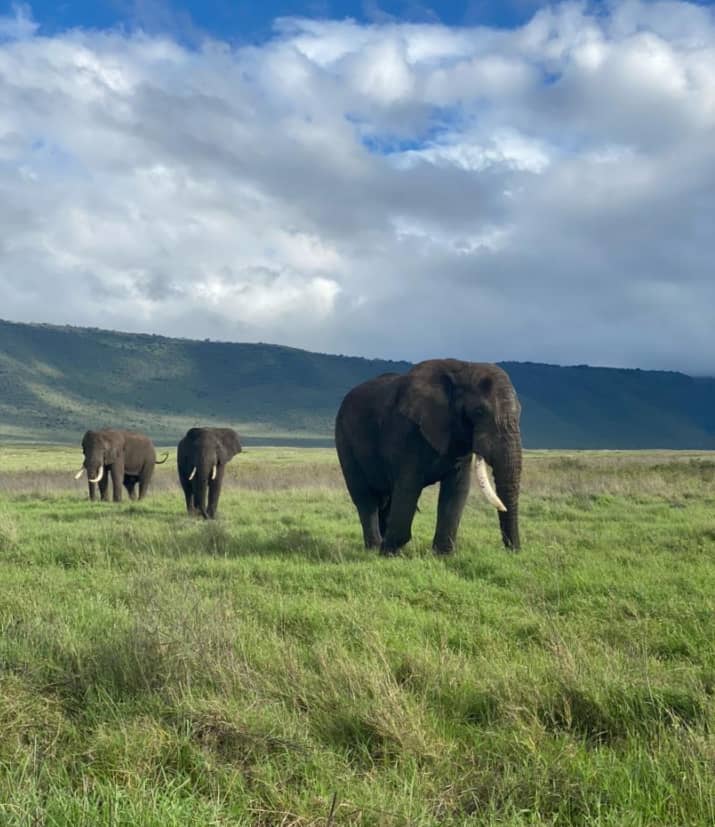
[
  {"x": 192, "y": 474},
  {"x": 80, "y": 472},
  {"x": 98, "y": 478},
  {"x": 486, "y": 485},
  {"x": 213, "y": 472}
]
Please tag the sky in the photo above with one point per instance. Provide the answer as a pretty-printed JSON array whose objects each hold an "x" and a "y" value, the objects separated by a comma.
[{"x": 386, "y": 178}]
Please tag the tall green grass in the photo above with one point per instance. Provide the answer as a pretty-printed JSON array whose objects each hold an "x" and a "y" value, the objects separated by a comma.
[{"x": 265, "y": 670}]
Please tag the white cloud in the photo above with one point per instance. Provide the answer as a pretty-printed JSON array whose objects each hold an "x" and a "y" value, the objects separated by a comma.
[
  {"x": 546, "y": 193},
  {"x": 19, "y": 25}
]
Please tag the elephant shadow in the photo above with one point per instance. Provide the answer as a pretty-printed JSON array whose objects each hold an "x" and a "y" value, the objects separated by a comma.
[
  {"x": 115, "y": 511},
  {"x": 215, "y": 539}
]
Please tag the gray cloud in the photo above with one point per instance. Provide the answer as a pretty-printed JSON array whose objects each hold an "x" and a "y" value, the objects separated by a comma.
[{"x": 402, "y": 190}]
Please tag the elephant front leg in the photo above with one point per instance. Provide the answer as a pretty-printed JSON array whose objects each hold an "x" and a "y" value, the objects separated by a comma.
[
  {"x": 215, "y": 490},
  {"x": 399, "y": 520},
  {"x": 103, "y": 487},
  {"x": 453, "y": 493},
  {"x": 188, "y": 494},
  {"x": 117, "y": 481}
]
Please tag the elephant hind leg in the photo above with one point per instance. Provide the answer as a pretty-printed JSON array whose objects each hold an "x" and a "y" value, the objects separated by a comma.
[
  {"x": 399, "y": 520},
  {"x": 369, "y": 519},
  {"x": 144, "y": 480},
  {"x": 366, "y": 500}
]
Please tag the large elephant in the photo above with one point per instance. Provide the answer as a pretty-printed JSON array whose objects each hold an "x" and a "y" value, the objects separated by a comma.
[
  {"x": 398, "y": 433},
  {"x": 127, "y": 457},
  {"x": 201, "y": 457}
]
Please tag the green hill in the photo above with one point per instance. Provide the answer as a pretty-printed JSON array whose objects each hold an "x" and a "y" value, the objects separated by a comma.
[{"x": 55, "y": 382}]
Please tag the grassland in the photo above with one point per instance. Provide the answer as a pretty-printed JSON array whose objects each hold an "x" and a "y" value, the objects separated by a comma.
[{"x": 265, "y": 670}]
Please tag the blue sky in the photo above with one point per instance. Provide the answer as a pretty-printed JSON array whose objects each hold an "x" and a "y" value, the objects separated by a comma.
[
  {"x": 241, "y": 20},
  {"x": 252, "y": 19},
  {"x": 491, "y": 181}
]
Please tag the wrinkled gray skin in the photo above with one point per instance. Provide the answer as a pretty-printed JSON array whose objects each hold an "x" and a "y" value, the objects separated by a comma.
[
  {"x": 203, "y": 449},
  {"x": 397, "y": 434},
  {"x": 127, "y": 457}
]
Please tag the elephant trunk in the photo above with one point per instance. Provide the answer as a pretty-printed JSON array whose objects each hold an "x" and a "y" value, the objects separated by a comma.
[
  {"x": 506, "y": 464},
  {"x": 99, "y": 476},
  {"x": 200, "y": 482}
]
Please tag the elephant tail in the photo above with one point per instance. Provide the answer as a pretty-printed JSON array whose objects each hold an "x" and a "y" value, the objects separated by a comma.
[{"x": 162, "y": 461}]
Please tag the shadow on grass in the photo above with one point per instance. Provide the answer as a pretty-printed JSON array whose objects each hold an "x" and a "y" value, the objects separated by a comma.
[
  {"x": 106, "y": 511},
  {"x": 620, "y": 712},
  {"x": 217, "y": 540}
]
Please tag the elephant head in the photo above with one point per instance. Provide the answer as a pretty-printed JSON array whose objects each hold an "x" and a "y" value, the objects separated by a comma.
[
  {"x": 99, "y": 451},
  {"x": 471, "y": 407},
  {"x": 212, "y": 447}
]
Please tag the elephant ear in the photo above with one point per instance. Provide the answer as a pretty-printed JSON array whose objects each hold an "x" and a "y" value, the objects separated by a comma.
[
  {"x": 111, "y": 450},
  {"x": 228, "y": 445},
  {"x": 426, "y": 400}
]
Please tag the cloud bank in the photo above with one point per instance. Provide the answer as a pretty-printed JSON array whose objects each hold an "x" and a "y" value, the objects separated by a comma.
[{"x": 545, "y": 193}]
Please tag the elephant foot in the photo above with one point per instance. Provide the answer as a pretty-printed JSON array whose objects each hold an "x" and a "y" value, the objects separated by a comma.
[
  {"x": 442, "y": 552},
  {"x": 389, "y": 552}
]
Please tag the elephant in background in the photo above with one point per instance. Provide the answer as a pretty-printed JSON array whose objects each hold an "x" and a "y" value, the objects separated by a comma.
[
  {"x": 201, "y": 457},
  {"x": 128, "y": 457},
  {"x": 396, "y": 434}
]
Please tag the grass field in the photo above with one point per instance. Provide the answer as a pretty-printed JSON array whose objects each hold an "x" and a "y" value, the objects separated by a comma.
[{"x": 265, "y": 670}]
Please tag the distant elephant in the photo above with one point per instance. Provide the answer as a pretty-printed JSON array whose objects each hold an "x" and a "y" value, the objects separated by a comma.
[
  {"x": 201, "y": 457},
  {"x": 127, "y": 456},
  {"x": 397, "y": 434}
]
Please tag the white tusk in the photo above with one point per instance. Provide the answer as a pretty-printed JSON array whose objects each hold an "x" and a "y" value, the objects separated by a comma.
[
  {"x": 213, "y": 473},
  {"x": 79, "y": 473},
  {"x": 101, "y": 474},
  {"x": 192, "y": 474},
  {"x": 486, "y": 485}
]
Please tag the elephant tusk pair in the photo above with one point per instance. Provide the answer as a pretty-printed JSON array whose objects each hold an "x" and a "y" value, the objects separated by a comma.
[
  {"x": 99, "y": 477},
  {"x": 486, "y": 485},
  {"x": 80, "y": 472}
]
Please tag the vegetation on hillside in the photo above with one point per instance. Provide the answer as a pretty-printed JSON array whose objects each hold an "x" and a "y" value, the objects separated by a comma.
[
  {"x": 265, "y": 670},
  {"x": 55, "y": 382}
]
